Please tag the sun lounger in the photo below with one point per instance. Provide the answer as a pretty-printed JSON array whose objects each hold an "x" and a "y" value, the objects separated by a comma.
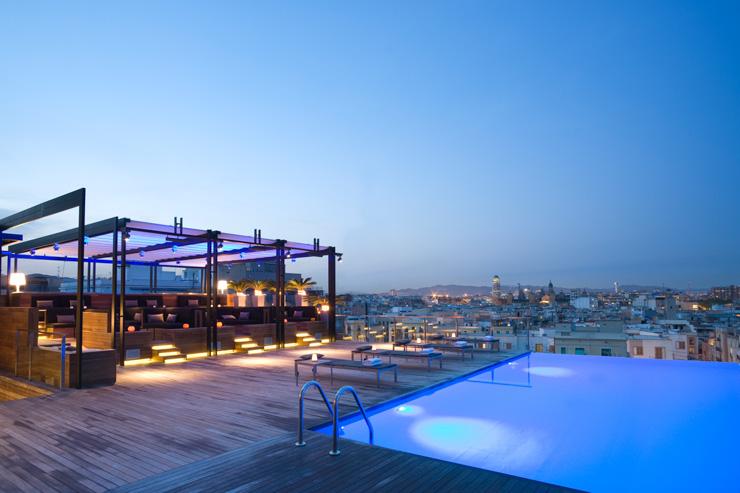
[
  {"x": 367, "y": 349},
  {"x": 402, "y": 343},
  {"x": 344, "y": 364},
  {"x": 456, "y": 348},
  {"x": 427, "y": 355},
  {"x": 492, "y": 343}
]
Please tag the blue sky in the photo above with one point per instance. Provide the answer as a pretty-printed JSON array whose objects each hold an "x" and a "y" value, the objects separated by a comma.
[{"x": 432, "y": 142}]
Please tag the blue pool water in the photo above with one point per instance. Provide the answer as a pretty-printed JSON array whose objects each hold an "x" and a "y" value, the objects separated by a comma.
[{"x": 594, "y": 423}]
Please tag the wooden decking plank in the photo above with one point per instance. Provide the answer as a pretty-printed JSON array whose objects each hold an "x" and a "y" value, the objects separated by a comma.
[
  {"x": 276, "y": 465},
  {"x": 158, "y": 419}
]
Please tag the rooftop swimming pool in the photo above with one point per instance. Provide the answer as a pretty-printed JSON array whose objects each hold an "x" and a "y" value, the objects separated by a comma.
[{"x": 595, "y": 423}]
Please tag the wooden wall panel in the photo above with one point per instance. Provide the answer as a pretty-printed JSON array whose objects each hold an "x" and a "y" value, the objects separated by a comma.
[{"x": 18, "y": 329}]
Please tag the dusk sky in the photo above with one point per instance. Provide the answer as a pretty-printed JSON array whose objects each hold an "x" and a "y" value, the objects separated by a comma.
[{"x": 431, "y": 142}]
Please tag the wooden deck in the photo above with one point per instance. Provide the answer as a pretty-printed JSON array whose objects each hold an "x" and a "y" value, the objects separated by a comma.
[
  {"x": 261, "y": 467},
  {"x": 156, "y": 419}
]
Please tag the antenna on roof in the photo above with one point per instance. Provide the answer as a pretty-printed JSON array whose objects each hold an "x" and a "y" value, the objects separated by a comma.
[{"x": 178, "y": 226}]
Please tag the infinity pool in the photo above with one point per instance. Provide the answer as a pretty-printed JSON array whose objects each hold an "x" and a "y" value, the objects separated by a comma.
[{"x": 593, "y": 423}]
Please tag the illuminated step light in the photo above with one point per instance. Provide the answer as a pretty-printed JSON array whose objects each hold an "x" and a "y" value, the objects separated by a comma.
[
  {"x": 309, "y": 339},
  {"x": 325, "y": 341},
  {"x": 249, "y": 345},
  {"x": 302, "y": 334},
  {"x": 291, "y": 344},
  {"x": 347, "y": 338},
  {"x": 243, "y": 339},
  {"x": 173, "y": 360},
  {"x": 162, "y": 347},
  {"x": 314, "y": 344},
  {"x": 196, "y": 355},
  {"x": 226, "y": 351},
  {"x": 255, "y": 351},
  {"x": 164, "y": 354},
  {"x": 270, "y": 347},
  {"x": 137, "y": 362}
]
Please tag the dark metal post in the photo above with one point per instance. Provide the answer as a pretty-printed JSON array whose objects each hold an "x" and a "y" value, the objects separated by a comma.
[
  {"x": 156, "y": 268},
  {"x": 89, "y": 272},
  {"x": 115, "y": 323},
  {"x": 280, "y": 293},
  {"x": 214, "y": 294},
  {"x": 95, "y": 277},
  {"x": 122, "y": 304},
  {"x": 7, "y": 282},
  {"x": 209, "y": 302},
  {"x": 1, "y": 264},
  {"x": 80, "y": 277},
  {"x": 332, "y": 294}
]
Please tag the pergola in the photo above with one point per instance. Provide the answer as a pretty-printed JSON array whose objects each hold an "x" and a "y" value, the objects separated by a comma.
[{"x": 121, "y": 241}]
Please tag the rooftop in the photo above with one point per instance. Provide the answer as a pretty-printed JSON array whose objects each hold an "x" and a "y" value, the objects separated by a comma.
[{"x": 157, "y": 419}]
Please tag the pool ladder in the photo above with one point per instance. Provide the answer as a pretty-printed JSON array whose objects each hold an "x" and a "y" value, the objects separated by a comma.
[{"x": 333, "y": 412}]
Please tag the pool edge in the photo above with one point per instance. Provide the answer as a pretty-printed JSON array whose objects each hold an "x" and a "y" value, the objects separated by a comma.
[{"x": 353, "y": 416}]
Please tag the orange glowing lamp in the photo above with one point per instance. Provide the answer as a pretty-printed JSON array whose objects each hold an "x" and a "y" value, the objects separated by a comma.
[
  {"x": 219, "y": 324},
  {"x": 186, "y": 326},
  {"x": 131, "y": 328}
]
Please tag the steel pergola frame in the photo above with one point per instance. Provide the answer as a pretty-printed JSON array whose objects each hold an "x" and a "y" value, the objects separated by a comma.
[
  {"x": 112, "y": 240},
  {"x": 63, "y": 203}
]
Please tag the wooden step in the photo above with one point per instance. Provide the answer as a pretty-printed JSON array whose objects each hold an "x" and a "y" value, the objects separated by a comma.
[
  {"x": 11, "y": 390},
  {"x": 163, "y": 347},
  {"x": 167, "y": 353},
  {"x": 173, "y": 358}
]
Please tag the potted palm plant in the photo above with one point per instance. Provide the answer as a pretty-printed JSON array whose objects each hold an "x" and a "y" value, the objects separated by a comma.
[
  {"x": 258, "y": 288},
  {"x": 239, "y": 298},
  {"x": 300, "y": 286}
]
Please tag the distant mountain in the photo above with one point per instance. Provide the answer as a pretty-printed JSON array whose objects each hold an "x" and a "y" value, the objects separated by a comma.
[
  {"x": 461, "y": 289},
  {"x": 446, "y": 289}
]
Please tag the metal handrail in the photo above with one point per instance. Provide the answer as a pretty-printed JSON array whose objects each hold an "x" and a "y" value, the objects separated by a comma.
[
  {"x": 335, "y": 431},
  {"x": 311, "y": 383}
]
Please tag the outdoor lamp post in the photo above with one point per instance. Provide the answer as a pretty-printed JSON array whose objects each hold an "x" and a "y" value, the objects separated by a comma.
[
  {"x": 17, "y": 279},
  {"x": 222, "y": 285}
]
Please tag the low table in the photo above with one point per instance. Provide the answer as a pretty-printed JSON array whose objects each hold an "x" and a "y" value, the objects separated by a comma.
[{"x": 311, "y": 363}]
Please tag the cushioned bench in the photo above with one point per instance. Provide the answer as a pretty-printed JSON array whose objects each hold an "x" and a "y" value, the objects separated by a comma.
[
  {"x": 455, "y": 348},
  {"x": 420, "y": 355},
  {"x": 344, "y": 364}
]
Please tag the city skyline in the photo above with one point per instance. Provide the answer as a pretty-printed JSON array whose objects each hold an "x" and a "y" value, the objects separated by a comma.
[{"x": 432, "y": 143}]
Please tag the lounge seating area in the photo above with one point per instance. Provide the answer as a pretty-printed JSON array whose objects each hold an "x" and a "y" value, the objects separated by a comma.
[{"x": 154, "y": 325}]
